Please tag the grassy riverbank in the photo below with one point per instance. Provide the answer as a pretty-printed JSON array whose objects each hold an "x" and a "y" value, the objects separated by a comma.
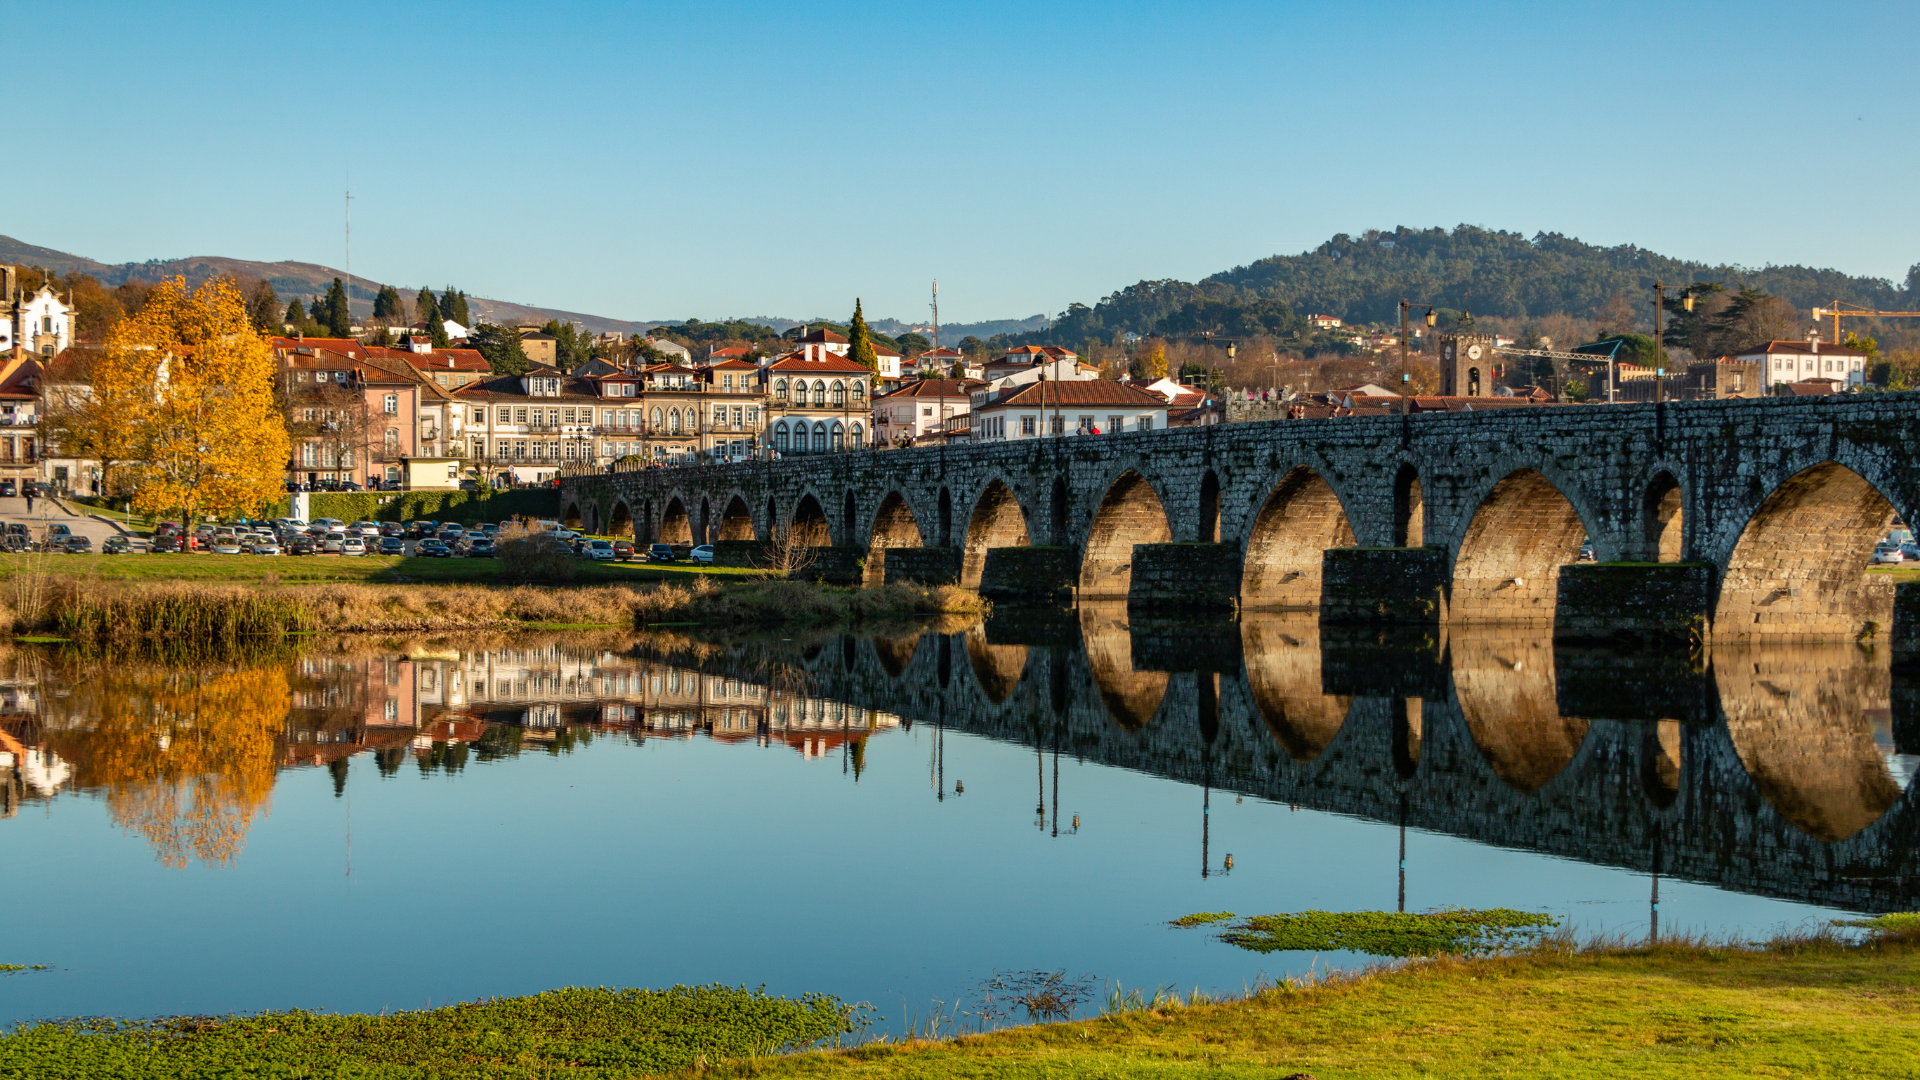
[
  {"x": 115, "y": 613},
  {"x": 1792, "y": 1008}
]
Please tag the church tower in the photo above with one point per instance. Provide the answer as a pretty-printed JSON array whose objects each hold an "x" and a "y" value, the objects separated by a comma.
[{"x": 1466, "y": 365}]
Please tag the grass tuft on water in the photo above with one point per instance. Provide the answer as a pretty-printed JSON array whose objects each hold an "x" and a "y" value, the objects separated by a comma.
[
  {"x": 10, "y": 969},
  {"x": 1204, "y": 918},
  {"x": 577, "y": 1032},
  {"x": 1459, "y": 931}
]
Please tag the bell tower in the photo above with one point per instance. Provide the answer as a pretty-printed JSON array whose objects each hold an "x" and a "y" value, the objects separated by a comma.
[{"x": 1466, "y": 365}]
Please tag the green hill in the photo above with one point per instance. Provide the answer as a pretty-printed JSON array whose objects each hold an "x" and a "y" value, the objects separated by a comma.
[{"x": 1489, "y": 273}]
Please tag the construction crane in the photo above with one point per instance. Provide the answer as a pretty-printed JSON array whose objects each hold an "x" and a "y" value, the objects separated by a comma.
[{"x": 1854, "y": 311}]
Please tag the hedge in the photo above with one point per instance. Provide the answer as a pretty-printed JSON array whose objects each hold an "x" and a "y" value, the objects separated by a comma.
[{"x": 467, "y": 507}]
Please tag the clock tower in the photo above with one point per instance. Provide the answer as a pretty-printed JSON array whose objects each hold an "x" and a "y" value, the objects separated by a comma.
[{"x": 1466, "y": 365}]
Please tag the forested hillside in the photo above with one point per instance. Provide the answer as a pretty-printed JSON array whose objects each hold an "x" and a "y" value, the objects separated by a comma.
[{"x": 1504, "y": 275}]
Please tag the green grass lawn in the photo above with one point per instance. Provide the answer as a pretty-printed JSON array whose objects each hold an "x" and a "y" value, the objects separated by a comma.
[
  {"x": 1814, "y": 1009},
  {"x": 374, "y": 569}
]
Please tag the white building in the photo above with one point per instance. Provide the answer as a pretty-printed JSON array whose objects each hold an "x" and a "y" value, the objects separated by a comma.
[
  {"x": 1798, "y": 361},
  {"x": 1096, "y": 407},
  {"x": 38, "y": 323}
]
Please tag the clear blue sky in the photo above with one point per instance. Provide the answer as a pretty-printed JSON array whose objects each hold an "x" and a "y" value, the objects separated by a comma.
[{"x": 721, "y": 159}]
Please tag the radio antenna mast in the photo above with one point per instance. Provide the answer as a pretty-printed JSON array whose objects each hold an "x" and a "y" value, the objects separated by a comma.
[
  {"x": 349, "y": 266},
  {"x": 936, "y": 314}
]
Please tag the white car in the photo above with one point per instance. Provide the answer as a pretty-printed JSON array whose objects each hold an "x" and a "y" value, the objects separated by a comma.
[
  {"x": 226, "y": 545},
  {"x": 333, "y": 543},
  {"x": 351, "y": 545},
  {"x": 264, "y": 547},
  {"x": 1884, "y": 555}
]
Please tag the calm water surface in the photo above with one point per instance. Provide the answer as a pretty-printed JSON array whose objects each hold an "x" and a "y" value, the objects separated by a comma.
[{"x": 373, "y": 824}]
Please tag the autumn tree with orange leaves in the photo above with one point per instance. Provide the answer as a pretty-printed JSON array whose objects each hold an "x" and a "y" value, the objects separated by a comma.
[{"x": 192, "y": 380}]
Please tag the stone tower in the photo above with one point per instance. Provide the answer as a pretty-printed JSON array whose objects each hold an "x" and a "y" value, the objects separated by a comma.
[{"x": 1467, "y": 364}]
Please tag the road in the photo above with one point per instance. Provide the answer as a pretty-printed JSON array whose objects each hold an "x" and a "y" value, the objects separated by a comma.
[{"x": 48, "y": 512}]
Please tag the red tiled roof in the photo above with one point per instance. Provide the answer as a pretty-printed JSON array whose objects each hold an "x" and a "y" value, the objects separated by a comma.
[
  {"x": 437, "y": 360},
  {"x": 1826, "y": 348},
  {"x": 796, "y": 362},
  {"x": 919, "y": 388},
  {"x": 1093, "y": 392}
]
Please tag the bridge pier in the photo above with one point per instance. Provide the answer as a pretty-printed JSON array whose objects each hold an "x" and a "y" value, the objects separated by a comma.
[
  {"x": 1031, "y": 575},
  {"x": 838, "y": 565},
  {"x": 1184, "y": 577},
  {"x": 1599, "y": 602},
  {"x": 1903, "y": 637},
  {"x": 926, "y": 565},
  {"x": 740, "y": 553},
  {"x": 1374, "y": 586}
]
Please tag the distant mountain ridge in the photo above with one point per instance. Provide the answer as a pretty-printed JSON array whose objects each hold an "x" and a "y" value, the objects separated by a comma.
[{"x": 291, "y": 280}]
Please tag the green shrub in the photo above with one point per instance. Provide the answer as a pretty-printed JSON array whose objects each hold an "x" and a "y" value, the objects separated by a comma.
[{"x": 466, "y": 507}]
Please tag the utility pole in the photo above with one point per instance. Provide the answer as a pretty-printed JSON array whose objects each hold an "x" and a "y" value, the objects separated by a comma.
[
  {"x": 936, "y": 315},
  {"x": 349, "y": 245}
]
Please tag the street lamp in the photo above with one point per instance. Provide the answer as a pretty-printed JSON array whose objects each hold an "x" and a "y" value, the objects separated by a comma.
[
  {"x": 1659, "y": 307},
  {"x": 1432, "y": 320}
]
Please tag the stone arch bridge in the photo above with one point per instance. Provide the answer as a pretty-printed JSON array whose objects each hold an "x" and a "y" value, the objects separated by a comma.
[{"x": 1752, "y": 517}]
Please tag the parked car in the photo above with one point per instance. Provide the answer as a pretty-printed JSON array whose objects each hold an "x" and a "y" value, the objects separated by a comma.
[
  {"x": 623, "y": 550},
  {"x": 660, "y": 553},
  {"x": 264, "y": 546},
  {"x": 332, "y": 544},
  {"x": 1883, "y": 555},
  {"x": 226, "y": 545},
  {"x": 300, "y": 545},
  {"x": 600, "y": 550},
  {"x": 392, "y": 528},
  {"x": 479, "y": 547},
  {"x": 57, "y": 531},
  {"x": 1910, "y": 551},
  {"x": 116, "y": 545},
  {"x": 9, "y": 489},
  {"x": 701, "y": 554},
  {"x": 76, "y": 545},
  {"x": 433, "y": 548},
  {"x": 352, "y": 545},
  {"x": 392, "y": 545},
  {"x": 164, "y": 544}
]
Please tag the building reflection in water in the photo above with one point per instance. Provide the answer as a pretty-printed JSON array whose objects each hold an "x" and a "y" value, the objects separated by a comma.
[{"x": 1780, "y": 769}]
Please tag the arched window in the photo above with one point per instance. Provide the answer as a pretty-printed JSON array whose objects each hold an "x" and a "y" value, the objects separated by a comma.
[
  {"x": 780, "y": 436},
  {"x": 391, "y": 443},
  {"x": 859, "y": 437},
  {"x": 839, "y": 433},
  {"x": 819, "y": 438},
  {"x": 780, "y": 389},
  {"x": 839, "y": 393},
  {"x": 819, "y": 392},
  {"x": 859, "y": 389},
  {"x": 656, "y": 419},
  {"x": 673, "y": 421}
]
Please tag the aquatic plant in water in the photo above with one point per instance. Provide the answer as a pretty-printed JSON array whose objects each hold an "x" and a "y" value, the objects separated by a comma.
[{"x": 1382, "y": 933}]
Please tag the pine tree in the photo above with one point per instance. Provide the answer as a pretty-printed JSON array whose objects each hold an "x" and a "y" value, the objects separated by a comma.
[
  {"x": 296, "y": 315},
  {"x": 438, "y": 332},
  {"x": 450, "y": 305},
  {"x": 387, "y": 306},
  {"x": 860, "y": 342},
  {"x": 426, "y": 309},
  {"x": 459, "y": 313},
  {"x": 339, "y": 323}
]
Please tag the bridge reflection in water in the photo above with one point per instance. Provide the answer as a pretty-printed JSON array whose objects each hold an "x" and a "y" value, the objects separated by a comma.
[
  {"x": 1780, "y": 770},
  {"x": 1776, "y": 769}
]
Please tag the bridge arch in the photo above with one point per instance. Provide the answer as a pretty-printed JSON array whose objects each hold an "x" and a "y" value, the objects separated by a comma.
[
  {"x": 705, "y": 535},
  {"x": 1409, "y": 508},
  {"x": 1799, "y": 566},
  {"x": 570, "y": 517},
  {"x": 1301, "y": 519},
  {"x": 1209, "y": 527},
  {"x": 896, "y": 653},
  {"x": 996, "y": 668},
  {"x": 675, "y": 527},
  {"x": 620, "y": 520},
  {"x": 1662, "y": 520},
  {"x": 996, "y": 521},
  {"x": 893, "y": 526},
  {"x": 1283, "y": 674},
  {"x": 736, "y": 522},
  {"x": 1132, "y": 697},
  {"x": 1507, "y": 567},
  {"x": 1130, "y": 513},
  {"x": 808, "y": 525}
]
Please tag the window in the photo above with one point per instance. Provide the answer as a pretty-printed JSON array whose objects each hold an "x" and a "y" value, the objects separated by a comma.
[
  {"x": 858, "y": 434},
  {"x": 819, "y": 437},
  {"x": 519, "y": 448},
  {"x": 392, "y": 405},
  {"x": 391, "y": 443},
  {"x": 393, "y": 474},
  {"x": 309, "y": 455},
  {"x": 839, "y": 394},
  {"x": 819, "y": 392},
  {"x": 1026, "y": 425},
  {"x": 753, "y": 415},
  {"x": 479, "y": 415},
  {"x": 505, "y": 414},
  {"x": 859, "y": 389},
  {"x": 673, "y": 421},
  {"x": 1115, "y": 423},
  {"x": 569, "y": 416},
  {"x": 780, "y": 436},
  {"x": 719, "y": 414},
  {"x": 839, "y": 437},
  {"x": 736, "y": 416},
  {"x": 726, "y": 382},
  {"x": 780, "y": 389},
  {"x": 1086, "y": 424},
  {"x": 656, "y": 419},
  {"x": 1145, "y": 423},
  {"x": 1058, "y": 425},
  {"x": 570, "y": 451},
  {"x": 925, "y": 410}
]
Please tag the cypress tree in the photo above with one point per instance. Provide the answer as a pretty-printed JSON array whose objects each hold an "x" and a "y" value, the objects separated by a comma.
[
  {"x": 438, "y": 332},
  {"x": 426, "y": 309},
  {"x": 860, "y": 342},
  {"x": 387, "y": 305},
  {"x": 459, "y": 313},
  {"x": 450, "y": 306},
  {"x": 296, "y": 314},
  {"x": 339, "y": 323}
]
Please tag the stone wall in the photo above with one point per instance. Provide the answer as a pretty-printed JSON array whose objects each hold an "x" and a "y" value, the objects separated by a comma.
[
  {"x": 1609, "y": 601},
  {"x": 928, "y": 566},
  {"x": 1031, "y": 575},
  {"x": 1184, "y": 577},
  {"x": 1384, "y": 585}
]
